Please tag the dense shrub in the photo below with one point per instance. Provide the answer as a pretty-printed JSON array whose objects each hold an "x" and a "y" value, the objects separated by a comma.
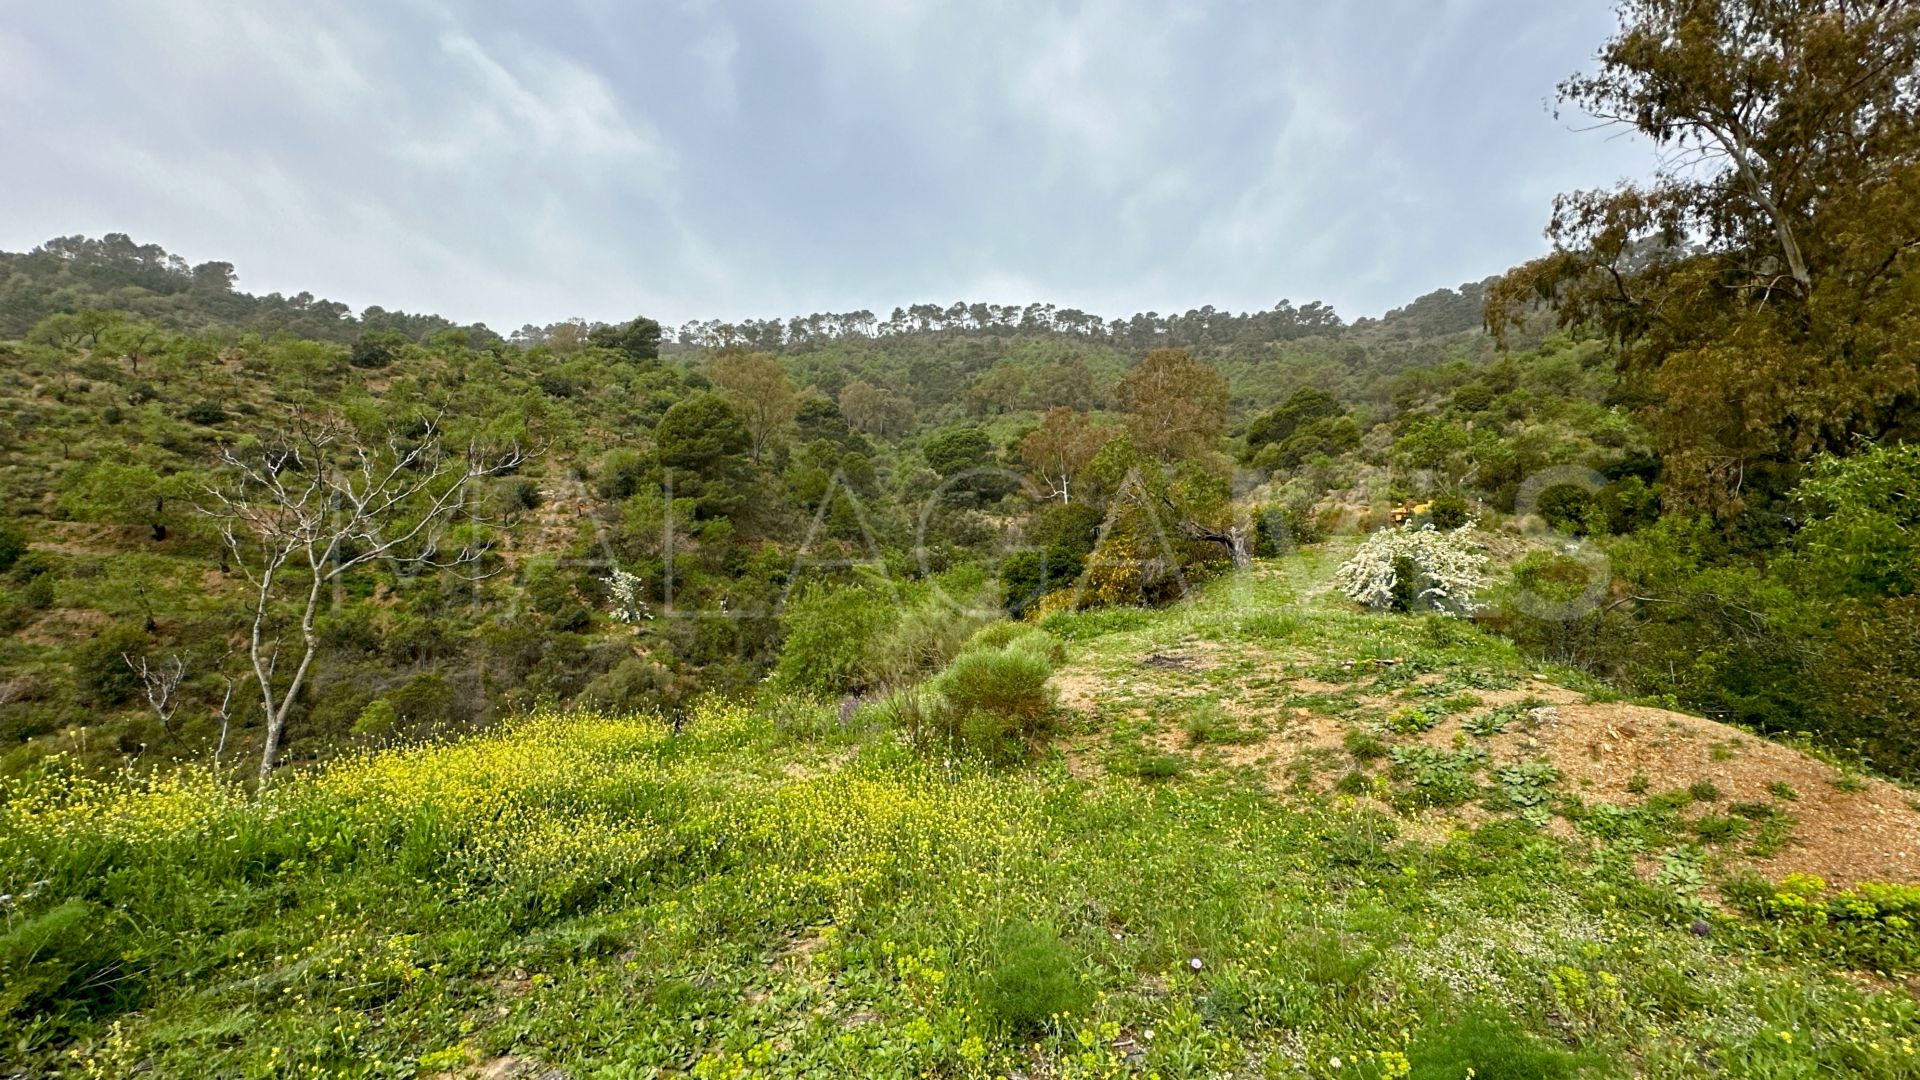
[
  {"x": 205, "y": 413},
  {"x": 1280, "y": 529},
  {"x": 623, "y": 471},
  {"x": 994, "y": 698},
  {"x": 1870, "y": 678},
  {"x": 1570, "y": 508},
  {"x": 100, "y": 668},
  {"x": 828, "y": 630},
  {"x": 1060, "y": 537},
  {"x": 39, "y": 593},
  {"x": 375, "y": 349},
  {"x": 520, "y": 494},
  {"x": 1307, "y": 407},
  {"x": 1008, "y": 682},
  {"x": 1628, "y": 504},
  {"x": 377, "y": 720},
  {"x": 13, "y": 544},
  {"x": 1030, "y": 978},
  {"x": 638, "y": 685},
  {"x": 426, "y": 702},
  {"x": 1028, "y": 576},
  {"x": 924, "y": 636},
  {"x": 1144, "y": 560},
  {"x": 1544, "y": 607},
  {"x": 1862, "y": 536},
  {"x": 1449, "y": 511},
  {"x": 1473, "y": 397}
]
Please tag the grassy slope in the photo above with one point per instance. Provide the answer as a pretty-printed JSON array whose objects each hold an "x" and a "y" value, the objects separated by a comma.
[{"x": 768, "y": 895}]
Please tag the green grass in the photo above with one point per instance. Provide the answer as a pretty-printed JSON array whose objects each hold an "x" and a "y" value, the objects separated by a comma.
[{"x": 605, "y": 896}]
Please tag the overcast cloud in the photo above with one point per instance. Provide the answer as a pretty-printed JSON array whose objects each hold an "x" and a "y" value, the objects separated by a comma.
[{"x": 516, "y": 163}]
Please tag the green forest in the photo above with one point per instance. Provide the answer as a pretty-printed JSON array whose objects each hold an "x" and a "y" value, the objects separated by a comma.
[{"x": 976, "y": 689}]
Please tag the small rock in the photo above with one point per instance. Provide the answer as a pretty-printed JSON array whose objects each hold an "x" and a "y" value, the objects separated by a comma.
[{"x": 1701, "y": 928}]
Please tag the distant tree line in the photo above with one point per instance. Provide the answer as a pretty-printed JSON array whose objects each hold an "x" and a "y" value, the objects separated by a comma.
[{"x": 114, "y": 273}]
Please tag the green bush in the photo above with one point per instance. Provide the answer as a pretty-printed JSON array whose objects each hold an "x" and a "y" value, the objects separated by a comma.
[
  {"x": 1571, "y": 508},
  {"x": 828, "y": 630},
  {"x": 923, "y": 637},
  {"x": 39, "y": 593},
  {"x": 1009, "y": 682},
  {"x": 375, "y": 348},
  {"x": 622, "y": 472},
  {"x": 520, "y": 494},
  {"x": 1449, "y": 511},
  {"x": 996, "y": 699},
  {"x": 1280, "y": 529},
  {"x": 425, "y": 702},
  {"x": 205, "y": 413},
  {"x": 1031, "y": 977},
  {"x": 1870, "y": 679},
  {"x": 1862, "y": 536},
  {"x": 31, "y": 565},
  {"x": 1629, "y": 504},
  {"x": 1030, "y": 575},
  {"x": 13, "y": 544},
  {"x": 100, "y": 668},
  {"x": 636, "y": 685},
  {"x": 1059, "y": 539},
  {"x": 378, "y": 719},
  {"x": 64, "y": 961}
]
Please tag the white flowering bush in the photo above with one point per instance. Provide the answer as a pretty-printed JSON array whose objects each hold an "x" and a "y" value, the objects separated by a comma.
[
  {"x": 1445, "y": 565},
  {"x": 624, "y": 590}
]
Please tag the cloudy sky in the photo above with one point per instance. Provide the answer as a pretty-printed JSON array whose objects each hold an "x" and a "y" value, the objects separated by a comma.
[{"x": 517, "y": 163}]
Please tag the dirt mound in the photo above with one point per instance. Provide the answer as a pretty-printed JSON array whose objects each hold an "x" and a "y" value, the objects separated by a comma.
[
  {"x": 1840, "y": 825},
  {"x": 1848, "y": 828}
]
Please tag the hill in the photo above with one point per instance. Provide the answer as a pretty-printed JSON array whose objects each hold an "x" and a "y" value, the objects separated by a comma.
[
  {"x": 1273, "y": 836},
  {"x": 134, "y": 378}
]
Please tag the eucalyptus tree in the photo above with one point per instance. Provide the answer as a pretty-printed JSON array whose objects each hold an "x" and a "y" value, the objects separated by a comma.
[{"x": 1760, "y": 284}]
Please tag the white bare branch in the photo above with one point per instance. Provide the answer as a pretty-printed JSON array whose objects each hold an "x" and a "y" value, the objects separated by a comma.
[
  {"x": 299, "y": 514},
  {"x": 161, "y": 683}
]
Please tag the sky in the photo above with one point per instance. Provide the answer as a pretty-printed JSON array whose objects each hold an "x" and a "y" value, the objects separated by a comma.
[{"x": 516, "y": 163}]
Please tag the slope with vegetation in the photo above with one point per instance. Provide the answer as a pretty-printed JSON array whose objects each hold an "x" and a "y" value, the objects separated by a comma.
[
  {"x": 1201, "y": 877},
  {"x": 993, "y": 690}
]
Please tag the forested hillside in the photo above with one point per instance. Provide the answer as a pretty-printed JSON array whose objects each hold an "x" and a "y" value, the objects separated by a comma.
[
  {"x": 649, "y": 512},
  {"x": 722, "y": 469}
]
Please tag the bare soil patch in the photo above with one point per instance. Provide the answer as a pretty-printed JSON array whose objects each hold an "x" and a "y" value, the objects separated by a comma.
[{"x": 1847, "y": 829}]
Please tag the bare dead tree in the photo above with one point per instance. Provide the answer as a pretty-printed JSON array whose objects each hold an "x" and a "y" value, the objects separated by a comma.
[
  {"x": 162, "y": 686},
  {"x": 299, "y": 513},
  {"x": 225, "y": 715}
]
